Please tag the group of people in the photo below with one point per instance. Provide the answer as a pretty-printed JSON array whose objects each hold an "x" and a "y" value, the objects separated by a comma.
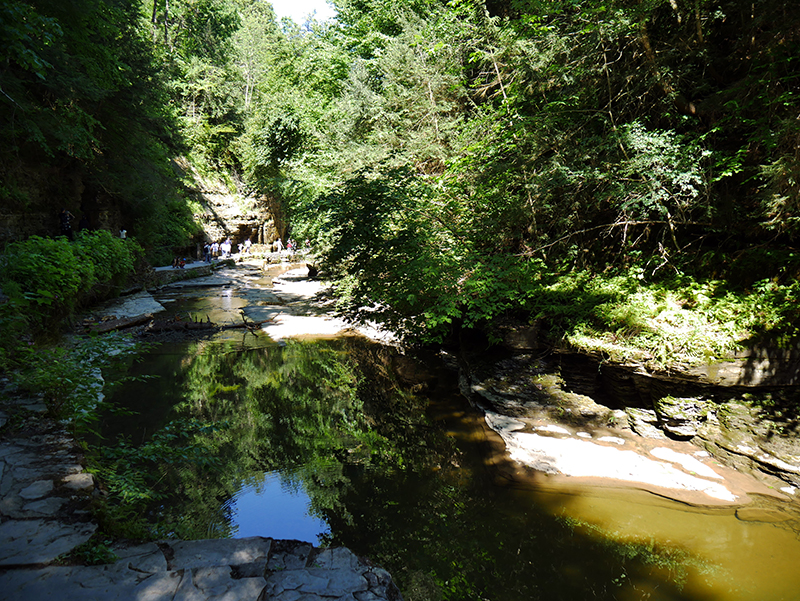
[
  {"x": 65, "y": 219},
  {"x": 212, "y": 250},
  {"x": 291, "y": 245}
]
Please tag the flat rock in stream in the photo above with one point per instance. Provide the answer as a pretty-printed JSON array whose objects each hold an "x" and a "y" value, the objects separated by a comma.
[{"x": 141, "y": 303}]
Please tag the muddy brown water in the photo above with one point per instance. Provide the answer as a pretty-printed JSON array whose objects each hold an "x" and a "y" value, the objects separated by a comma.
[{"x": 335, "y": 442}]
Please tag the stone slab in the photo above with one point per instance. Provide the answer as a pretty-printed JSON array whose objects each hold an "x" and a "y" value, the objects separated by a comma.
[
  {"x": 86, "y": 584},
  {"x": 210, "y": 553},
  {"x": 37, "y": 490},
  {"x": 25, "y": 542},
  {"x": 146, "y": 558},
  {"x": 317, "y": 581},
  {"x": 45, "y": 507},
  {"x": 217, "y": 583}
]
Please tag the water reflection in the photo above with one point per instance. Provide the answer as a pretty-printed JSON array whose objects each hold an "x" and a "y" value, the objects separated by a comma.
[
  {"x": 272, "y": 508},
  {"x": 378, "y": 452}
]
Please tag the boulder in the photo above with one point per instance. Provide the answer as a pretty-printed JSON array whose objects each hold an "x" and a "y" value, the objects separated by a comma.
[{"x": 682, "y": 417}]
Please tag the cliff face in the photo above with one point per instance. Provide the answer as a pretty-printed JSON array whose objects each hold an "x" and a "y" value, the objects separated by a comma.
[
  {"x": 221, "y": 210},
  {"x": 224, "y": 213},
  {"x": 40, "y": 192}
]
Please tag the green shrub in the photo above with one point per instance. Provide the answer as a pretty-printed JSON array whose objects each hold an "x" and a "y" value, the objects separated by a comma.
[
  {"x": 48, "y": 279},
  {"x": 43, "y": 277}
]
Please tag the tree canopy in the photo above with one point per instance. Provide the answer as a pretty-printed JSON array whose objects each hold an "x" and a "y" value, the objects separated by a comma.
[{"x": 450, "y": 159}]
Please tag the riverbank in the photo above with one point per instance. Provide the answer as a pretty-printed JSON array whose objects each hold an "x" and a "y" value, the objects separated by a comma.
[
  {"x": 749, "y": 430},
  {"x": 47, "y": 529},
  {"x": 540, "y": 434},
  {"x": 547, "y": 427}
]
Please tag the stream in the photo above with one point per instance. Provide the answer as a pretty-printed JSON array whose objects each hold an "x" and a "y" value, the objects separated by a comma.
[{"x": 331, "y": 438}]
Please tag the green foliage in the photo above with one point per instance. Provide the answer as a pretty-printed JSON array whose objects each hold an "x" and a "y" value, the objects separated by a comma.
[
  {"x": 47, "y": 279},
  {"x": 454, "y": 160},
  {"x": 84, "y": 111},
  {"x": 664, "y": 174},
  {"x": 168, "y": 228},
  {"x": 463, "y": 145},
  {"x": 132, "y": 473},
  {"x": 308, "y": 409},
  {"x": 377, "y": 229},
  {"x": 25, "y": 34},
  {"x": 95, "y": 551}
]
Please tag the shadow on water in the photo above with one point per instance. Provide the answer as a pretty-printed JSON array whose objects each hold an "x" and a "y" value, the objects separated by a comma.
[{"x": 396, "y": 466}]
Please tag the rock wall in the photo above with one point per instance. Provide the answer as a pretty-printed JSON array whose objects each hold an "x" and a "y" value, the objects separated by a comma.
[
  {"x": 225, "y": 211},
  {"x": 743, "y": 411},
  {"x": 41, "y": 193}
]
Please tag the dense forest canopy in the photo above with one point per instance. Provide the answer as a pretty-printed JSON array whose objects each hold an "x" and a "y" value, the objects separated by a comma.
[{"x": 454, "y": 162}]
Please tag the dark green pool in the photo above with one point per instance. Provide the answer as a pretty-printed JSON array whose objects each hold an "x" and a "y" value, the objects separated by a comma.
[{"x": 343, "y": 441}]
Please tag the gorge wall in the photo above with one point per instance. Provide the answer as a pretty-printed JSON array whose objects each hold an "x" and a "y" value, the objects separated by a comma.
[
  {"x": 222, "y": 210},
  {"x": 219, "y": 209}
]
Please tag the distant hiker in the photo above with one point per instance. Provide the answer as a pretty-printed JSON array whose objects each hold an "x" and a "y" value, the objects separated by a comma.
[
  {"x": 278, "y": 245},
  {"x": 207, "y": 252},
  {"x": 123, "y": 234},
  {"x": 247, "y": 245},
  {"x": 65, "y": 222},
  {"x": 215, "y": 249}
]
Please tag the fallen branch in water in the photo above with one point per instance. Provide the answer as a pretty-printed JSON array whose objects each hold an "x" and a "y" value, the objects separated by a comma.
[
  {"x": 178, "y": 325},
  {"x": 113, "y": 324}
]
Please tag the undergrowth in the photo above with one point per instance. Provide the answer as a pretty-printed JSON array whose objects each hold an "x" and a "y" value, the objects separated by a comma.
[{"x": 678, "y": 322}]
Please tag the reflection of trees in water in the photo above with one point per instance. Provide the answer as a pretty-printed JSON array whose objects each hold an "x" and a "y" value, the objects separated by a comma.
[
  {"x": 339, "y": 419},
  {"x": 305, "y": 409}
]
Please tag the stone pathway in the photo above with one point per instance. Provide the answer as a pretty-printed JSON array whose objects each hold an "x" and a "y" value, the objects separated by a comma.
[
  {"x": 43, "y": 488},
  {"x": 250, "y": 569}
]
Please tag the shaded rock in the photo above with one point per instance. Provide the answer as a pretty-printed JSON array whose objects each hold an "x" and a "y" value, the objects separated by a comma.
[
  {"x": 39, "y": 541},
  {"x": 146, "y": 558},
  {"x": 200, "y": 584},
  {"x": 206, "y": 553},
  {"x": 37, "y": 489},
  {"x": 320, "y": 582},
  {"x": 287, "y": 556},
  {"x": 644, "y": 422},
  {"x": 45, "y": 507},
  {"x": 522, "y": 386},
  {"x": 744, "y": 436},
  {"x": 682, "y": 417}
]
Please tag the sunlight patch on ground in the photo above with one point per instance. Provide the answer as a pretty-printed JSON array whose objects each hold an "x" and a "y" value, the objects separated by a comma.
[{"x": 583, "y": 458}]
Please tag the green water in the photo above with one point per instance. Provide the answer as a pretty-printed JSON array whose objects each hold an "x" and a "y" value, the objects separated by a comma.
[{"x": 381, "y": 454}]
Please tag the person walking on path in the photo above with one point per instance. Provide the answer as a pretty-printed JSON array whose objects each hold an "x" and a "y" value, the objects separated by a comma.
[{"x": 65, "y": 223}]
